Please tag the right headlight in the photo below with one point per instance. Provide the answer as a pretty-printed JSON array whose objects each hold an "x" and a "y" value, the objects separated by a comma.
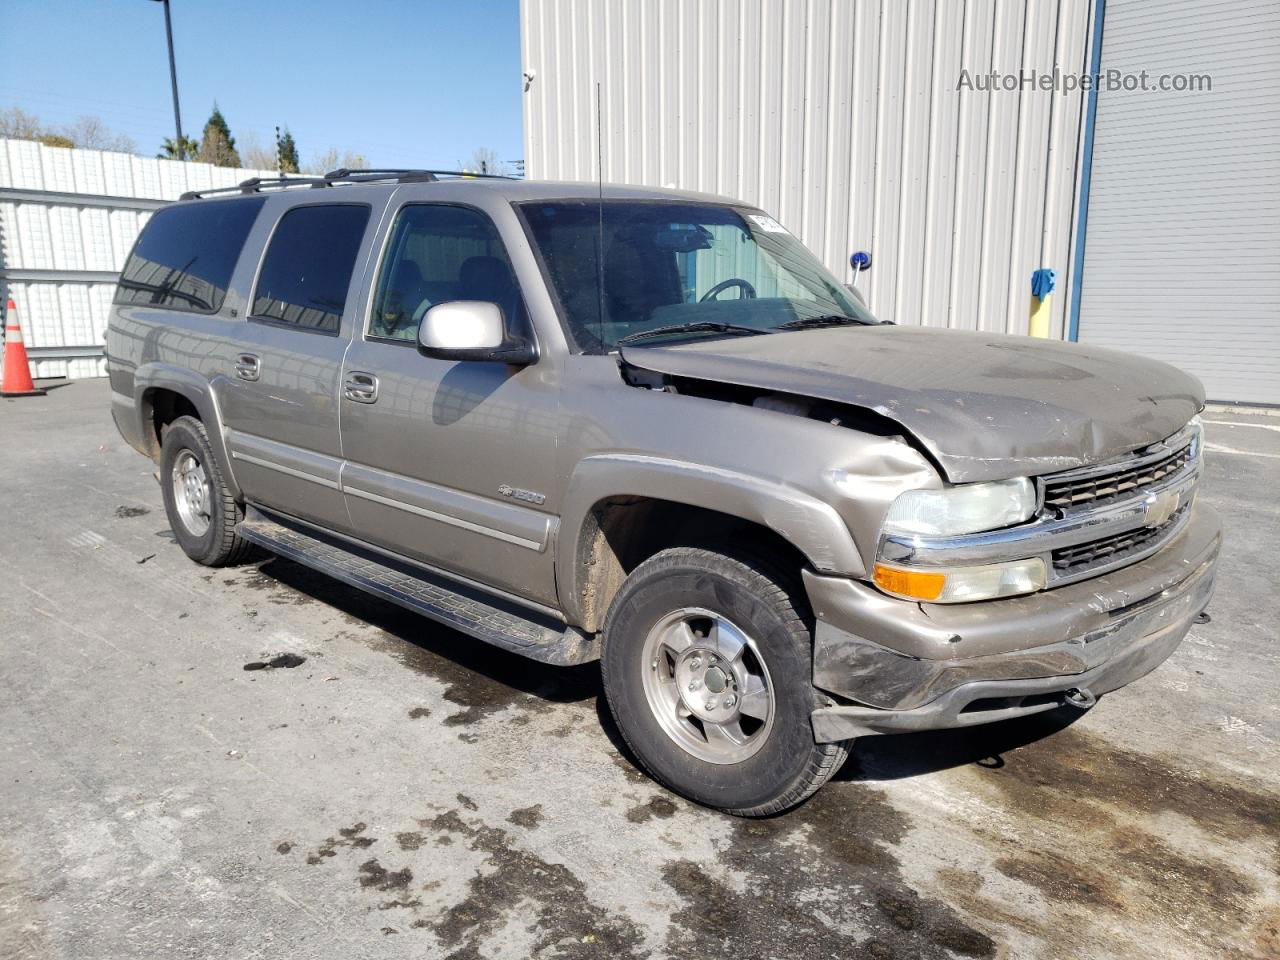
[{"x": 968, "y": 508}]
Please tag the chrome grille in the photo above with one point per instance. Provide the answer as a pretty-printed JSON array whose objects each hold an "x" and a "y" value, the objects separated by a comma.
[
  {"x": 1074, "y": 491},
  {"x": 1115, "y": 549}
]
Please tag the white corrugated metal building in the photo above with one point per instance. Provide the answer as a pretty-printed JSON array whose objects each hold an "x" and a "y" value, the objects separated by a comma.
[
  {"x": 67, "y": 221},
  {"x": 848, "y": 121}
]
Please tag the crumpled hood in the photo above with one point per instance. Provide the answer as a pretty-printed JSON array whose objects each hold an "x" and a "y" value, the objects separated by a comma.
[{"x": 986, "y": 406}]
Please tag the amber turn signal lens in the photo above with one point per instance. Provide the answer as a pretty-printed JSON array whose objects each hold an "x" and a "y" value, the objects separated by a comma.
[{"x": 909, "y": 583}]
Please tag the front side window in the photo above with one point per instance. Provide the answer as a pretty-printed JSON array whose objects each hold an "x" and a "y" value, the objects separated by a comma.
[
  {"x": 185, "y": 256},
  {"x": 624, "y": 268},
  {"x": 439, "y": 253},
  {"x": 307, "y": 269}
]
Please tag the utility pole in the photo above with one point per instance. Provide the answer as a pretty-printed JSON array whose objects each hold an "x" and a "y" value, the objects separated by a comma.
[
  {"x": 279, "y": 158},
  {"x": 173, "y": 82}
]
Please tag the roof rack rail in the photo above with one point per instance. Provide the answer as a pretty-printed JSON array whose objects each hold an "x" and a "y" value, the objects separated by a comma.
[
  {"x": 408, "y": 175},
  {"x": 255, "y": 185},
  {"x": 344, "y": 175}
]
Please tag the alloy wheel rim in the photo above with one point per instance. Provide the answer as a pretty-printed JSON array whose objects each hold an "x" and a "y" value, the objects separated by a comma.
[
  {"x": 708, "y": 686},
  {"x": 191, "y": 493}
]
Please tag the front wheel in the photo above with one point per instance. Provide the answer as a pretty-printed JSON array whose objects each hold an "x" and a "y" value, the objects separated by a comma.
[{"x": 707, "y": 668}]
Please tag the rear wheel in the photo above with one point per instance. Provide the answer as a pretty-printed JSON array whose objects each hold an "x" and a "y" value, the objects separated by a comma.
[
  {"x": 707, "y": 668},
  {"x": 201, "y": 510}
]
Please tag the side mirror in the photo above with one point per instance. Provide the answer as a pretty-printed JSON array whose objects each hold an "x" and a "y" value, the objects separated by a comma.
[{"x": 471, "y": 330}]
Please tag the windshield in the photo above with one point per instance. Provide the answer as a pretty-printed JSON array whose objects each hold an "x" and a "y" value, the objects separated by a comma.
[{"x": 701, "y": 269}]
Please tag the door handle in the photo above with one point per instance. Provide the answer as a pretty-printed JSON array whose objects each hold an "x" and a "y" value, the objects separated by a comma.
[
  {"x": 361, "y": 387},
  {"x": 248, "y": 366}
]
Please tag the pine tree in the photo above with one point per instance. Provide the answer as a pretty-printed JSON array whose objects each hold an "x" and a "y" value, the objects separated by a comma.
[
  {"x": 217, "y": 146},
  {"x": 288, "y": 153}
]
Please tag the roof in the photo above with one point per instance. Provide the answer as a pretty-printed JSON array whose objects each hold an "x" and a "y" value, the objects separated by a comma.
[{"x": 448, "y": 182}]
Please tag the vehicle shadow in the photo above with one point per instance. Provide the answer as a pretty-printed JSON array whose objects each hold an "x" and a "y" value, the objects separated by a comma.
[
  {"x": 492, "y": 675},
  {"x": 433, "y": 649},
  {"x": 898, "y": 756}
]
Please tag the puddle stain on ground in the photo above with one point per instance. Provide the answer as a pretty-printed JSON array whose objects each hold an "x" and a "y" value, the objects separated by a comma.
[
  {"x": 527, "y": 817},
  {"x": 417, "y": 713},
  {"x": 373, "y": 874},
  {"x": 283, "y": 661},
  {"x": 567, "y": 920},
  {"x": 128, "y": 513},
  {"x": 1101, "y": 795},
  {"x": 659, "y": 807},
  {"x": 821, "y": 880},
  {"x": 352, "y": 836}
]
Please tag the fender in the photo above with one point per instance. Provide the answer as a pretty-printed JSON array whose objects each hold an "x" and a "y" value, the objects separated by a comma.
[
  {"x": 188, "y": 383},
  {"x": 812, "y": 526}
]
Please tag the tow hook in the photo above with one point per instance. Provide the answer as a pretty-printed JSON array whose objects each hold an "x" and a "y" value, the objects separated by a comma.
[{"x": 1080, "y": 699}]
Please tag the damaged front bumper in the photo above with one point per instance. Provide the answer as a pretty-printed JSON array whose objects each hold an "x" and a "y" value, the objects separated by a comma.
[{"x": 910, "y": 666}]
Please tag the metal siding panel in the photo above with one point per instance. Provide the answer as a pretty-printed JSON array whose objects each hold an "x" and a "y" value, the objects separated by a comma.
[
  {"x": 914, "y": 162},
  {"x": 840, "y": 118},
  {"x": 1183, "y": 213},
  {"x": 939, "y": 236}
]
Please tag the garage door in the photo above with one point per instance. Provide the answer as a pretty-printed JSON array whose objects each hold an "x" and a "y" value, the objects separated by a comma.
[{"x": 1182, "y": 251}]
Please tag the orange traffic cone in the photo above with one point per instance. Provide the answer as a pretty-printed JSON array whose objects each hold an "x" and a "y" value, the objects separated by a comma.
[{"x": 15, "y": 377}]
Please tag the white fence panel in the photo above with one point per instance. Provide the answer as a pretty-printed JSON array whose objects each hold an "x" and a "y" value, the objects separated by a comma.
[{"x": 67, "y": 221}]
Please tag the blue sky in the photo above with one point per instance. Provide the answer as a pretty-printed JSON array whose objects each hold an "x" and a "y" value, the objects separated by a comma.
[{"x": 404, "y": 83}]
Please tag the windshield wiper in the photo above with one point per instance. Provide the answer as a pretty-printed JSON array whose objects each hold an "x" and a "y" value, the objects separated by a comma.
[
  {"x": 697, "y": 326},
  {"x": 827, "y": 320}
]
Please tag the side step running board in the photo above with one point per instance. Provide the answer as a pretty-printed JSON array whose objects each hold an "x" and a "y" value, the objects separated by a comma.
[{"x": 446, "y": 601}]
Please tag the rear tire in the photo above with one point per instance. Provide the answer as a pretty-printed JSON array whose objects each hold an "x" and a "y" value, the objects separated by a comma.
[
  {"x": 707, "y": 668},
  {"x": 201, "y": 510}
]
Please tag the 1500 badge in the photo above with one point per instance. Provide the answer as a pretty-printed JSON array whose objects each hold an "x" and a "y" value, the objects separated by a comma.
[{"x": 516, "y": 493}]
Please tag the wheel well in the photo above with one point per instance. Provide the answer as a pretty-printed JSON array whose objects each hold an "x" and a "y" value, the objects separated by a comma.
[
  {"x": 620, "y": 533},
  {"x": 160, "y": 408}
]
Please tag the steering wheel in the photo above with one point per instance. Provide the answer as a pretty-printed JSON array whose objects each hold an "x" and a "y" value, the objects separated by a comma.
[{"x": 748, "y": 291}]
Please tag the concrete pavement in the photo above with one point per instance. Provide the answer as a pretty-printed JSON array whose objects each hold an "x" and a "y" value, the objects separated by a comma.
[{"x": 406, "y": 793}]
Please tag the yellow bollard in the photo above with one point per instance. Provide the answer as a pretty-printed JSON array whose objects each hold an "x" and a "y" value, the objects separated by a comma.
[{"x": 1038, "y": 320}]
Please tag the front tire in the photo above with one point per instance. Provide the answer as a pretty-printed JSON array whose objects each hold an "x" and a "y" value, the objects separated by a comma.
[
  {"x": 201, "y": 510},
  {"x": 707, "y": 667}
]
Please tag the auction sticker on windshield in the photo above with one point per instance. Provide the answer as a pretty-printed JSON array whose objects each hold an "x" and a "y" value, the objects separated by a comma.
[{"x": 766, "y": 223}]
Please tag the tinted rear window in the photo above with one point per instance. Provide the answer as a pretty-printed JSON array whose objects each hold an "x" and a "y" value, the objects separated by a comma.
[
  {"x": 308, "y": 266},
  {"x": 184, "y": 258}
]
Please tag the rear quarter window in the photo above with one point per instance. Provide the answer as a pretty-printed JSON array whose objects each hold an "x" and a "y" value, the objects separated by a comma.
[{"x": 184, "y": 257}]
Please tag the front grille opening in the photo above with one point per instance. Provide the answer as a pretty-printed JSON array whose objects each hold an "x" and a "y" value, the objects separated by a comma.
[
  {"x": 1067, "y": 494},
  {"x": 1107, "y": 550}
]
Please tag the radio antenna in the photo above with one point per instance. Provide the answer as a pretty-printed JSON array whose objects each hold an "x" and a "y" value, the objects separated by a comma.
[{"x": 599, "y": 221}]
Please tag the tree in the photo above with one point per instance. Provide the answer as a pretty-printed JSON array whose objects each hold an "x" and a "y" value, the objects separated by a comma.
[
  {"x": 485, "y": 160},
  {"x": 255, "y": 155},
  {"x": 217, "y": 146},
  {"x": 288, "y": 153},
  {"x": 169, "y": 149},
  {"x": 89, "y": 133},
  {"x": 332, "y": 160},
  {"x": 17, "y": 124}
]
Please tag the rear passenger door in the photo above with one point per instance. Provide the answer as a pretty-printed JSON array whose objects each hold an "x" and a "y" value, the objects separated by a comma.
[
  {"x": 450, "y": 462},
  {"x": 281, "y": 397}
]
